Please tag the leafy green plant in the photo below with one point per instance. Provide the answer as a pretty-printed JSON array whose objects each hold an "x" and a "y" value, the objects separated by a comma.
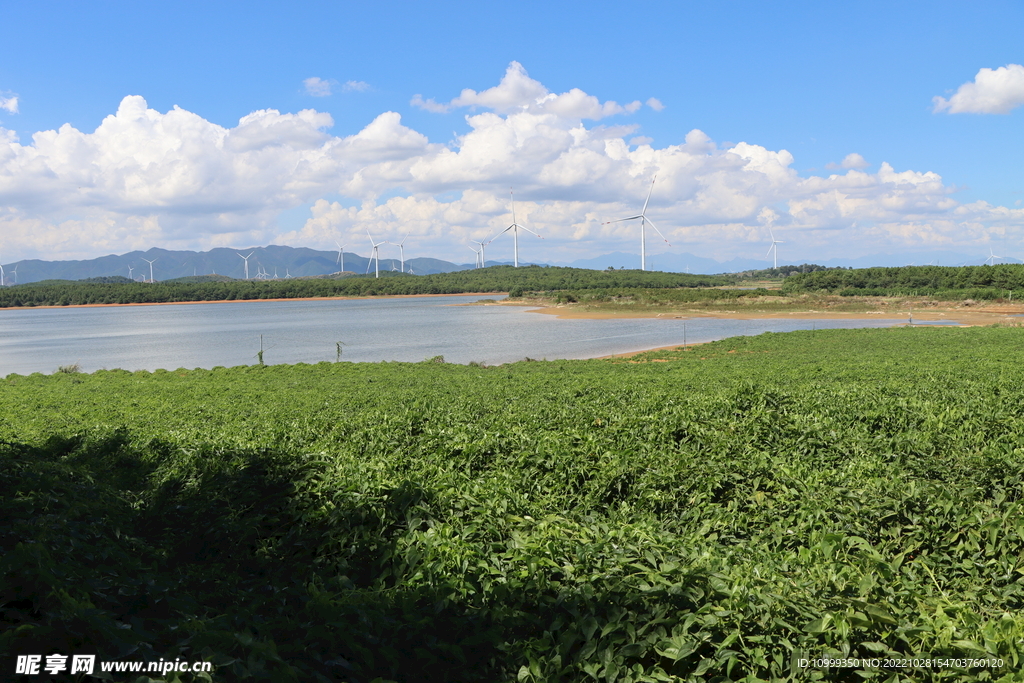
[{"x": 671, "y": 516}]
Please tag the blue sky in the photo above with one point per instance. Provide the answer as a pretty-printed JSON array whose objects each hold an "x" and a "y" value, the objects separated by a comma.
[{"x": 819, "y": 80}]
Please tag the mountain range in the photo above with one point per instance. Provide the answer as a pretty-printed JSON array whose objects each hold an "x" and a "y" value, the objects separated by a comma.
[{"x": 280, "y": 261}]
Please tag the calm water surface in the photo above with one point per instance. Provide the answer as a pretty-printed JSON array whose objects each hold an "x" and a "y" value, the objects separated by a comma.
[{"x": 407, "y": 329}]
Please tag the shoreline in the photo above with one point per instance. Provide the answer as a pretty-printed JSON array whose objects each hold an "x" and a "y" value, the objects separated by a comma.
[
  {"x": 249, "y": 301},
  {"x": 963, "y": 317}
]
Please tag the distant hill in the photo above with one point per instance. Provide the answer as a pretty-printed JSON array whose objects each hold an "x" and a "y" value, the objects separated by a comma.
[{"x": 220, "y": 263}]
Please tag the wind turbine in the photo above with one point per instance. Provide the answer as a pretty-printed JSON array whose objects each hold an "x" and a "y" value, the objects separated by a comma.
[
  {"x": 515, "y": 227},
  {"x": 150, "y": 268},
  {"x": 644, "y": 220},
  {"x": 401, "y": 246},
  {"x": 246, "y": 259},
  {"x": 991, "y": 260},
  {"x": 130, "y": 269},
  {"x": 341, "y": 256},
  {"x": 3, "y": 280},
  {"x": 15, "y": 271},
  {"x": 774, "y": 243},
  {"x": 375, "y": 256},
  {"x": 483, "y": 253},
  {"x": 477, "y": 252}
]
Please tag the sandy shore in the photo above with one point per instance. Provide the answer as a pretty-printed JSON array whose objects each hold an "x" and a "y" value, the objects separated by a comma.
[{"x": 979, "y": 315}]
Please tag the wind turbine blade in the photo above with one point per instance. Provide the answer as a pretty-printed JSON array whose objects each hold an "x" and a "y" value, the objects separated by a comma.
[
  {"x": 771, "y": 233},
  {"x": 651, "y": 223},
  {"x": 529, "y": 231},
  {"x": 769, "y": 253},
  {"x": 501, "y": 233},
  {"x": 619, "y": 220},
  {"x": 649, "y": 195}
]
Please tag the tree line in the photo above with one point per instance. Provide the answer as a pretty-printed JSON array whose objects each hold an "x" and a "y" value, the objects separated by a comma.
[{"x": 483, "y": 280}]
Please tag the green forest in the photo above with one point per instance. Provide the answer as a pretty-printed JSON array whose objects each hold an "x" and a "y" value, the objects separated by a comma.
[
  {"x": 709, "y": 514},
  {"x": 977, "y": 282}
]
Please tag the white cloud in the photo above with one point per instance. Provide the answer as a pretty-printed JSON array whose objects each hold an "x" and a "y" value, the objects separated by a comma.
[
  {"x": 146, "y": 178},
  {"x": 655, "y": 104},
  {"x": 517, "y": 92},
  {"x": 355, "y": 86},
  {"x": 9, "y": 102},
  {"x": 852, "y": 160},
  {"x": 317, "y": 87},
  {"x": 993, "y": 91}
]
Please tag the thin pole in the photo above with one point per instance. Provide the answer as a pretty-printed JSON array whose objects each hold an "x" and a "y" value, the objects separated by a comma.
[{"x": 643, "y": 244}]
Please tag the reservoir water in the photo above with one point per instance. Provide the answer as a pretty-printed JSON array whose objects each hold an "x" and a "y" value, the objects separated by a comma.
[{"x": 395, "y": 329}]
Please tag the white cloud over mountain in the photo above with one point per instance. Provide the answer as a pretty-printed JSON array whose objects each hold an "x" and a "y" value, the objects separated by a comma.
[
  {"x": 993, "y": 91},
  {"x": 145, "y": 178}
]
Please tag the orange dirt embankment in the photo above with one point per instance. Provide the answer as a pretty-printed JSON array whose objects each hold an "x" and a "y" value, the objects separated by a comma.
[{"x": 969, "y": 316}]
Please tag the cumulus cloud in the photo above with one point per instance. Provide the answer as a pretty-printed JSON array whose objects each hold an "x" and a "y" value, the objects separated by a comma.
[
  {"x": 174, "y": 179},
  {"x": 517, "y": 92},
  {"x": 852, "y": 160},
  {"x": 993, "y": 91},
  {"x": 317, "y": 87},
  {"x": 655, "y": 104},
  {"x": 355, "y": 86},
  {"x": 9, "y": 102}
]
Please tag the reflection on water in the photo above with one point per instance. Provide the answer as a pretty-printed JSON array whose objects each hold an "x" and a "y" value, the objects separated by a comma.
[{"x": 403, "y": 329}]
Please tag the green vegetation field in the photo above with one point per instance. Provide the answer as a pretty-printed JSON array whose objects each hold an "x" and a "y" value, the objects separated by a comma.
[{"x": 707, "y": 515}]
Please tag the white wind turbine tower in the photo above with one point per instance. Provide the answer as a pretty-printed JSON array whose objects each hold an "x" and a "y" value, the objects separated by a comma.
[
  {"x": 991, "y": 260},
  {"x": 483, "y": 253},
  {"x": 3, "y": 279},
  {"x": 150, "y": 268},
  {"x": 130, "y": 269},
  {"x": 401, "y": 246},
  {"x": 644, "y": 220},
  {"x": 477, "y": 252},
  {"x": 375, "y": 256},
  {"x": 246, "y": 259},
  {"x": 341, "y": 256},
  {"x": 15, "y": 271},
  {"x": 515, "y": 227},
  {"x": 774, "y": 243}
]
